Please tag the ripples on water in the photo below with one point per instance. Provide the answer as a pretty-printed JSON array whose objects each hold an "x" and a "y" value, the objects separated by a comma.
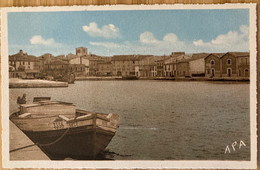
[{"x": 164, "y": 120}]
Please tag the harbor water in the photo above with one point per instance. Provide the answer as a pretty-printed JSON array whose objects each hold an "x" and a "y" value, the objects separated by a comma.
[{"x": 163, "y": 120}]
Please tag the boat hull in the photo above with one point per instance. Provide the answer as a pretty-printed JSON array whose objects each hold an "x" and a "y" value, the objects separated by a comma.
[
  {"x": 82, "y": 137},
  {"x": 81, "y": 143}
]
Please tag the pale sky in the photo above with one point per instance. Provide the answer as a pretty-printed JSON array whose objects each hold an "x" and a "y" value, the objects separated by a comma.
[{"x": 107, "y": 33}]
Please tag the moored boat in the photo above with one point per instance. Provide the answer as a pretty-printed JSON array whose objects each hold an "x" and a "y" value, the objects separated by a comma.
[
  {"x": 62, "y": 131},
  {"x": 70, "y": 78},
  {"x": 129, "y": 77}
]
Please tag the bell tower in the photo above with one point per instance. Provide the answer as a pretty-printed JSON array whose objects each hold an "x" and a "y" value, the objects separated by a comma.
[{"x": 80, "y": 51}]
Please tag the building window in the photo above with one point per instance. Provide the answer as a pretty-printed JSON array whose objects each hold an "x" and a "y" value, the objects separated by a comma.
[
  {"x": 29, "y": 63},
  {"x": 228, "y": 61},
  {"x": 246, "y": 60},
  {"x": 212, "y": 62}
]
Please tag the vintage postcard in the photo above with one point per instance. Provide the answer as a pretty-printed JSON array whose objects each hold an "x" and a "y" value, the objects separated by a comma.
[{"x": 142, "y": 86}]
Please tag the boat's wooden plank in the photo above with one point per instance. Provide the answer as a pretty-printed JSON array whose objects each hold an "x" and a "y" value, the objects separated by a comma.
[
  {"x": 83, "y": 111},
  {"x": 53, "y": 109},
  {"x": 49, "y": 123},
  {"x": 84, "y": 117}
]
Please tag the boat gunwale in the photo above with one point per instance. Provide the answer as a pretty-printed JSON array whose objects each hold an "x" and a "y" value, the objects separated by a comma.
[
  {"x": 98, "y": 115},
  {"x": 46, "y": 102}
]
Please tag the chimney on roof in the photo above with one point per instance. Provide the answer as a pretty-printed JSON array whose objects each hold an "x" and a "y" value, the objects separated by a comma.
[{"x": 21, "y": 52}]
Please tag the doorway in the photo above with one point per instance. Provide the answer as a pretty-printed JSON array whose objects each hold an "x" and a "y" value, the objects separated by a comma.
[
  {"x": 229, "y": 72},
  {"x": 212, "y": 72}
]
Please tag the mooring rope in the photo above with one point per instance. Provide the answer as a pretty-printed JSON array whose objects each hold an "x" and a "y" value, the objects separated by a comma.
[
  {"x": 57, "y": 140},
  {"x": 38, "y": 144},
  {"x": 22, "y": 148}
]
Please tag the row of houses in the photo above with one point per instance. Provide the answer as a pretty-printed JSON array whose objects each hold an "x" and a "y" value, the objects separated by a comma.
[
  {"x": 177, "y": 64},
  {"x": 22, "y": 65}
]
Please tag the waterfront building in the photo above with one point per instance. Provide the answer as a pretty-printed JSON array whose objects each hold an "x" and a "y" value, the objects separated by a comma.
[
  {"x": 168, "y": 66},
  {"x": 235, "y": 64},
  {"x": 213, "y": 65},
  {"x": 104, "y": 68},
  {"x": 177, "y": 68},
  {"x": 56, "y": 68},
  {"x": 79, "y": 65},
  {"x": 43, "y": 60},
  {"x": 182, "y": 68},
  {"x": 153, "y": 68},
  {"x": 197, "y": 65},
  {"x": 227, "y": 65},
  {"x": 23, "y": 64},
  {"x": 93, "y": 64},
  {"x": 77, "y": 69},
  {"x": 160, "y": 66},
  {"x": 17, "y": 74},
  {"x": 170, "y": 69},
  {"x": 178, "y": 64},
  {"x": 25, "y": 61},
  {"x": 124, "y": 65},
  {"x": 90, "y": 61},
  {"x": 143, "y": 65},
  {"x": 171, "y": 62}
]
